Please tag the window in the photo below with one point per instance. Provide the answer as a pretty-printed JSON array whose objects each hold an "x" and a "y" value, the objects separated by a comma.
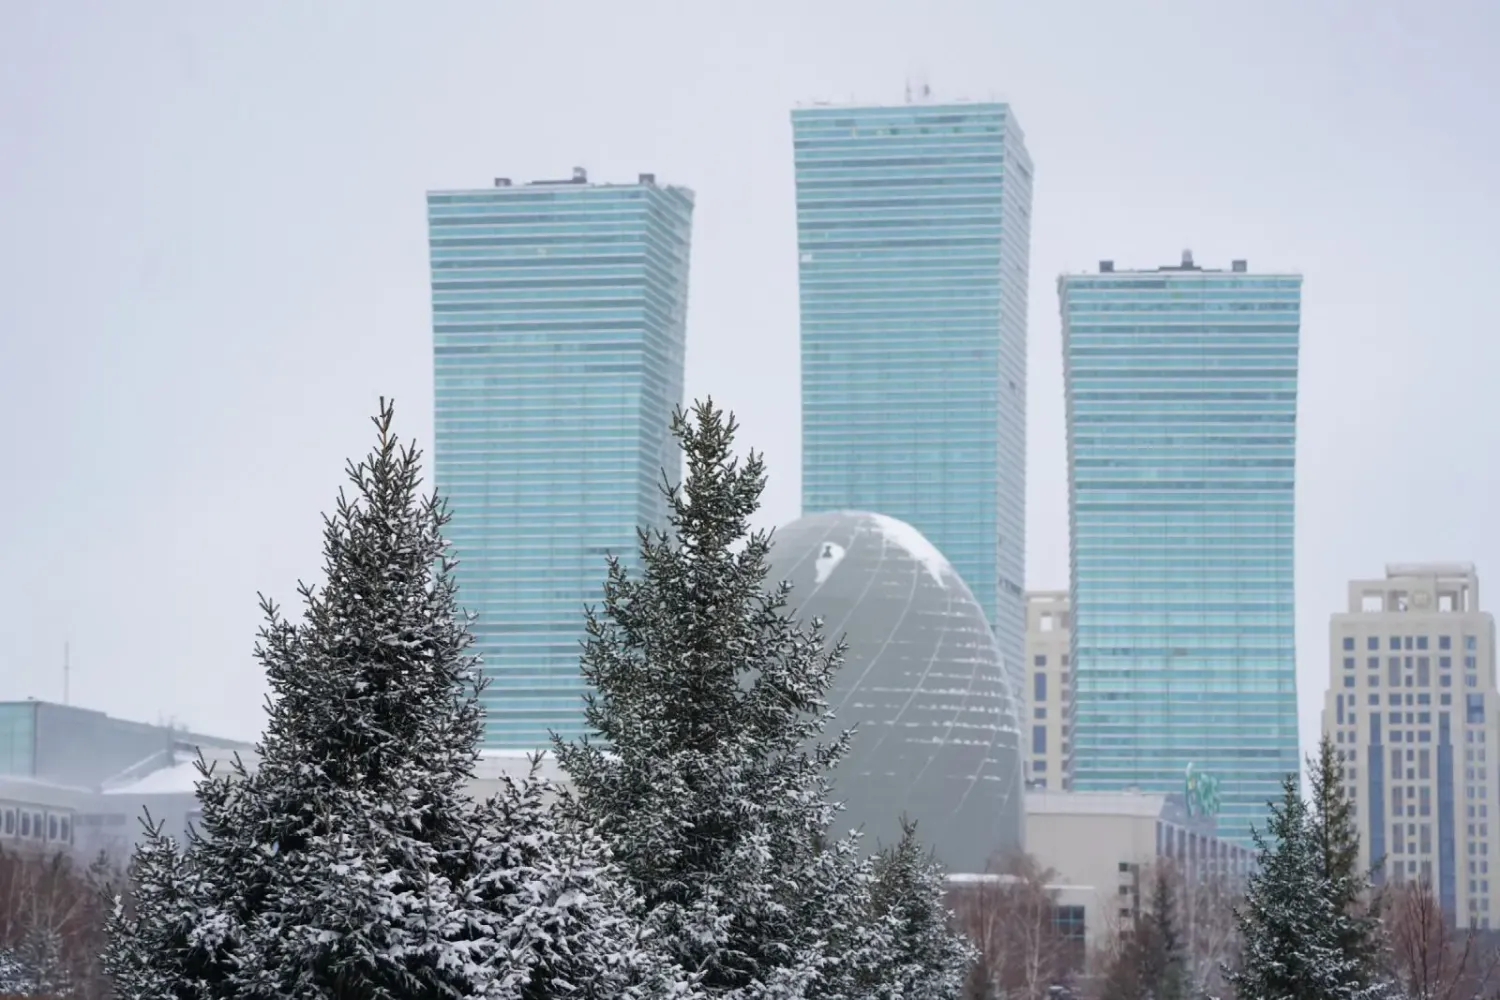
[
  {"x": 1039, "y": 765},
  {"x": 1395, "y": 642},
  {"x": 1421, "y": 642},
  {"x": 1444, "y": 662},
  {"x": 1039, "y": 660},
  {"x": 1348, "y": 680},
  {"x": 1038, "y": 687},
  {"x": 1038, "y": 739},
  {"x": 1348, "y": 642},
  {"x": 1445, "y": 642},
  {"x": 1348, "y": 663},
  {"x": 1469, "y": 663},
  {"x": 1039, "y": 713},
  {"x": 1373, "y": 642},
  {"x": 1469, "y": 642},
  {"x": 1373, "y": 663}
]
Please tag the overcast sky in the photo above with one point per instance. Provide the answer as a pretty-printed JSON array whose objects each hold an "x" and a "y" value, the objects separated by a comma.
[{"x": 213, "y": 260}]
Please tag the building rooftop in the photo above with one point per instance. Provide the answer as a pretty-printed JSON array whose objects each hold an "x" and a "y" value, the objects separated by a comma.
[
  {"x": 1186, "y": 265},
  {"x": 1066, "y": 803},
  {"x": 578, "y": 179}
]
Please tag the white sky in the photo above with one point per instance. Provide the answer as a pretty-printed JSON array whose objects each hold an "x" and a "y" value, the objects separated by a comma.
[{"x": 213, "y": 260}]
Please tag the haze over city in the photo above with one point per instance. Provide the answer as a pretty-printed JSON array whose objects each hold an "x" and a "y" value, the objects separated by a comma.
[{"x": 213, "y": 260}]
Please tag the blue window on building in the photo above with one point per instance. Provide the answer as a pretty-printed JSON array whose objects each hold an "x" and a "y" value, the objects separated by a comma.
[
  {"x": 1038, "y": 687},
  {"x": 1395, "y": 642},
  {"x": 1348, "y": 663},
  {"x": 1038, "y": 739},
  {"x": 1348, "y": 680},
  {"x": 1348, "y": 642},
  {"x": 1421, "y": 642},
  {"x": 1039, "y": 660},
  {"x": 1445, "y": 642},
  {"x": 1373, "y": 642},
  {"x": 1469, "y": 642}
]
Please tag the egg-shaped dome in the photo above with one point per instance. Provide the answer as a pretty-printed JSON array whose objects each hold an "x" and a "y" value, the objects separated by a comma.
[{"x": 923, "y": 683}]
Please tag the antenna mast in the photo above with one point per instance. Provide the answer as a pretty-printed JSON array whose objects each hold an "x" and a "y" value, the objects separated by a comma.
[{"x": 67, "y": 671}]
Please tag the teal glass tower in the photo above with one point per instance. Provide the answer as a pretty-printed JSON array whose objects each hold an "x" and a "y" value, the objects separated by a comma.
[
  {"x": 1182, "y": 423},
  {"x": 559, "y": 324},
  {"x": 913, "y": 233}
]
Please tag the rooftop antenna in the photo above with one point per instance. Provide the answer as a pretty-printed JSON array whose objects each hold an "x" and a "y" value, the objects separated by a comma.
[
  {"x": 67, "y": 671},
  {"x": 923, "y": 91}
]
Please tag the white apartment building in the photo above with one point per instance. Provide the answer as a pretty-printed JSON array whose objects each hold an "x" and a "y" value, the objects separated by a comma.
[
  {"x": 1412, "y": 704},
  {"x": 1049, "y": 704}
]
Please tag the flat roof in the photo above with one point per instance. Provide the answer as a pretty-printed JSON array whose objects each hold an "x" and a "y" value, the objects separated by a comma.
[{"x": 1042, "y": 802}]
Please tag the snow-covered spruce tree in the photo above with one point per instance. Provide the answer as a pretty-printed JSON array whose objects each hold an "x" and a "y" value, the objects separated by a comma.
[
  {"x": 927, "y": 958},
  {"x": 152, "y": 948},
  {"x": 705, "y": 774},
  {"x": 1336, "y": 839},
  {"x": 352, "y": 863},
  {"x": 1291, "y": 929}
]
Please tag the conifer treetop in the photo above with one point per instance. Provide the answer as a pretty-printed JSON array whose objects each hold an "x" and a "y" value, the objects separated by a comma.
[
  {"x": 380, "y": 653},
  {"x": 710, "y": 697}
]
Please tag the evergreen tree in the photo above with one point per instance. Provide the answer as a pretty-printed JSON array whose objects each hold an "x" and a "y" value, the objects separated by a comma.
[
  {"x": 927, "y": 959},
  {"x": 1291, "y": 928},
  {"x": 1336, "y": 838},
  {"x": 352, "y": 862},
  {"x": 704, "y": 774},
  {"x": 1150, "y": 963},
  {"x": 152, "y": 948},
  {"x": 1164, "y": 964}
]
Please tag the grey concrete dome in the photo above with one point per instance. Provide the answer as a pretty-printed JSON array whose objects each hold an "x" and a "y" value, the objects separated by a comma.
[{"x": 923, "y": 682}]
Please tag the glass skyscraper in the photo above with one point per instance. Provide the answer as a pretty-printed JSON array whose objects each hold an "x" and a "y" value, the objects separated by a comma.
[
  {"x": 1182, "y": 417},
  {"x": 913, "y": 230},
  {"x": 559, "y": 324}
]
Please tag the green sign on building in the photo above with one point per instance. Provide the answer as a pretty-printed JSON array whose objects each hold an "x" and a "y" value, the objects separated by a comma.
[{"x": 1201, "y": 792}]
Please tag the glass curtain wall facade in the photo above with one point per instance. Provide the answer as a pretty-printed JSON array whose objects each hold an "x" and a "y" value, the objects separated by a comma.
[
  {"x": 1181, "y": 389},
  {"x": 913, "y": 232},
  {"x": 559, "y": 326}
]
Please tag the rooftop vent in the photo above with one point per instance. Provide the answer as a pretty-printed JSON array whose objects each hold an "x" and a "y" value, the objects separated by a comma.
[
  {"x": 648, "y": 179},
  {"x": 502, "y": 182},
  {"x": 1106, "y": 267},
  {"x": 1187, "y": 259},
  {"x": 1239, "y": 266},
  {"x": 580, "y": 175}
]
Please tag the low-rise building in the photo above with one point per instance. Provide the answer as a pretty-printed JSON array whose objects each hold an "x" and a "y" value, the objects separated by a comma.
[{"x": 1102, "y": 845}]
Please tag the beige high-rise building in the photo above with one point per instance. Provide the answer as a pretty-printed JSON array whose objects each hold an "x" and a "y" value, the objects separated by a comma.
[
  {"x": 1412, "y": 704},
  {"x": 1049, "y": 705}
]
